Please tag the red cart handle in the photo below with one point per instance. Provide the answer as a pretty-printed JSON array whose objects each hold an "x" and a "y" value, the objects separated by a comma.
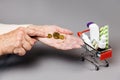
[{"x": 80, "y": 33}]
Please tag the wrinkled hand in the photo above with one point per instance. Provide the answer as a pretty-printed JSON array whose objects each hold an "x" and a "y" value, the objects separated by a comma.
[
  {"x": 70, "y": 41},
  {"x": 18, "y": 41},
  {"x": 22, "y": 39}
]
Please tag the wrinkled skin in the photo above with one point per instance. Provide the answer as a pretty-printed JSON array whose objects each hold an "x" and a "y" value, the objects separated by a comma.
[
  {"x": 70, "y": 41},
  {"x": 22, "y": 39},
  {"x": 16, "y": 41}
]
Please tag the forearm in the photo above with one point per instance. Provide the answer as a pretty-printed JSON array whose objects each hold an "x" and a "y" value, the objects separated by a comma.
[{"x": 5, "y": 28}]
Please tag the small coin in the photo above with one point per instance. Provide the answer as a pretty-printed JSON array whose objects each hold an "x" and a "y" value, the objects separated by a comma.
[
  {"x": 49, "y": 36},
  {"x": 61, "y": 37},
  {"x": 56, "y": 35}
]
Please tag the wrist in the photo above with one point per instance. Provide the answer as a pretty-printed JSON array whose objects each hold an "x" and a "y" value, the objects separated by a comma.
[{"x": 5, "y": 28}]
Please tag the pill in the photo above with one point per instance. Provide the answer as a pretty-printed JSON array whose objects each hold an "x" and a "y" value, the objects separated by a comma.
[{"x": 95, "y": 44}]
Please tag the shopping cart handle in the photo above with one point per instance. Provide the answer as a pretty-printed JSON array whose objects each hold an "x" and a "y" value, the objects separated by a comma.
[{"x": 80, "y": 33}]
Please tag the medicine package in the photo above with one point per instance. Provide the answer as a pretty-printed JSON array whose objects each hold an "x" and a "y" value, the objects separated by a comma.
[{"x": 99, "y": 37}]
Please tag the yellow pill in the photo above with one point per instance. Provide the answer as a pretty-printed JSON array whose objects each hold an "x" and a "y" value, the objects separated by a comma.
[{"x": 49, "y": 36}]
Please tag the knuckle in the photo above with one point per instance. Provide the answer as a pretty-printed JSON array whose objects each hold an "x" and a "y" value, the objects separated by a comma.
[
  {"x": 32, "y": 43},
  {"x": 21, "y": 28},
  {"x": 15, "y": 51},
  {"x": 22, "y": 52},
  {"x": 29, "y": 48},
  {"x": 20, "y": 32},
  {"x": 18, "y": 44}
]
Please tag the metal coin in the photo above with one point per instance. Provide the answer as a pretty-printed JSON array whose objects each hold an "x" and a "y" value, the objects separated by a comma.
[
  {"x": 61, "y": 37},
  {"x": 56, "y": 35},
  {"x": 49, "y": 36}
]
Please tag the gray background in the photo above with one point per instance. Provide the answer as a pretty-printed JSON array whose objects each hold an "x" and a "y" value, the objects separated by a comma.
[{"x": 46, "y": 63}]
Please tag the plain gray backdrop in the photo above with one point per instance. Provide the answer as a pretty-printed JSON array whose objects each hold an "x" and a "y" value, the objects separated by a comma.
[{"x": 46, "y": 63}]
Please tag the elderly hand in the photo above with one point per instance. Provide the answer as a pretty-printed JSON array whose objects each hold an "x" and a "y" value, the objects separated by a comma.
[
  {"x": 22, "y": 39},
  {"x": 18, "y": 41},
  {"x": 70, "y": 41}
]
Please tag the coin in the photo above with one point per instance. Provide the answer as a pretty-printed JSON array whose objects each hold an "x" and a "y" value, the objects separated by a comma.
[
  {"x": 61, "y": 37},
  {"x": 49, "y": 36},
  {"x": 56, "y": 35}
]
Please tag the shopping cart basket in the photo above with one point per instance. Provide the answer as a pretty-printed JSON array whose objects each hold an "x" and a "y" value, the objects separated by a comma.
[{"x": 97, "y": 57}]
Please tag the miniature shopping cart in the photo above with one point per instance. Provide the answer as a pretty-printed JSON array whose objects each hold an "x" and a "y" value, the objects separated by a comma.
[{"x": 97, "y": 57}]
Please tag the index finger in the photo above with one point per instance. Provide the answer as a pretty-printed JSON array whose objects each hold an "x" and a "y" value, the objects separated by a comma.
[{"x": 35, "y": 32}]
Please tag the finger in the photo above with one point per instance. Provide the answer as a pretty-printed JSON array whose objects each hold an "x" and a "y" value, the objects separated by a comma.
[
  {"x": 19, "y": 51},
  {"x": 76, "y": 46},
  {"x": 71, "y": 42},
  {"x": 26, "y": 45},
  {"x": 46, "y": 41},
  {"x": 19, "y": 39},
  {"x": 64, "y": 31},
  {"x": 80, "y": 41},
  {"x": 75, "y": 43},
  {"x": 30, "y": 40},
  {"x": 75, "y": 40},
  {"x": 23, "y": 40},
  {"x": 34, "y": 31},
  {"x": 20, "y": 35}
]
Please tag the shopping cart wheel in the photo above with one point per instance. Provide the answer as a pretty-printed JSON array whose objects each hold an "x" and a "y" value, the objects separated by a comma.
[
  {"x": 107, "y": 65},
  {"x": 82, "y": 59},
  {"x": 96, "y": 68}
]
